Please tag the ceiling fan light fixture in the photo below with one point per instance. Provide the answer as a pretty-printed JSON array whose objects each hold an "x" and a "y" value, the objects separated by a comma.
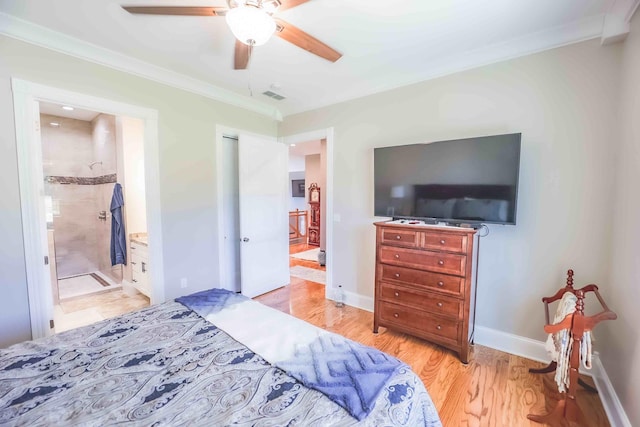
[{"x": 251, "y": 25}]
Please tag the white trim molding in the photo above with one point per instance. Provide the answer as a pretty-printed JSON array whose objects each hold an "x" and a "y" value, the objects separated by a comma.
[
  {"x": 533, "y": 349},
  {"x": 510, "y": 343},
  {"x": 38, "y": 35},
  {"x": 359, "y": 301},
  {"x": 608, "y": 396},
  {"x": 328, "y": 135},
  {"x": 616, "y": 25},
  {"x": 26, "y": 95}
]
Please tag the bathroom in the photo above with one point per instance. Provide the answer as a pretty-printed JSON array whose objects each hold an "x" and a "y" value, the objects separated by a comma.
[{"x": 84, "y": 155}]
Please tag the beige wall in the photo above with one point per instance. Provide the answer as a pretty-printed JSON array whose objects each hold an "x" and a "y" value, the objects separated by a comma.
[
  {"x": 620, "y": 340},
  {"x": 564, "y": 103},
  {"x": 187, "y": 129}
]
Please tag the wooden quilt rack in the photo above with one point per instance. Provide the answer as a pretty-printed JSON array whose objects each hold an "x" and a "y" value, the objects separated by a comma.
[{"x": 577, "y": 323}]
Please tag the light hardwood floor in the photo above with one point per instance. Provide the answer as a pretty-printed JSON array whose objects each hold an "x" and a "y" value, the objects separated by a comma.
[
  {"x": 87, "y": 309},
  {"x": 494, "y": 389}
]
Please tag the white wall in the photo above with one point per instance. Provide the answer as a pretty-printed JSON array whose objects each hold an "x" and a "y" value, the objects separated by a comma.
[
  {"x": 564, "y": 103},
  {"x": 620, "y": 339},
  {"x": 187, "y": 129}
]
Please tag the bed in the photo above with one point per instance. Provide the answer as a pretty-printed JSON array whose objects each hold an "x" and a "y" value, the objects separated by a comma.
[{"x": 213, "y": 358}]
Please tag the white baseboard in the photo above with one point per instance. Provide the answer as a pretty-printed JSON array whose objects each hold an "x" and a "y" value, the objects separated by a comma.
[
  {"x": 359, "y": 301},
  {"x": 510, "y": 343},
  {"x": 354, "y": 300},
  {"x": 531, "y": 349},
  {"x": 612, "y": 405}
]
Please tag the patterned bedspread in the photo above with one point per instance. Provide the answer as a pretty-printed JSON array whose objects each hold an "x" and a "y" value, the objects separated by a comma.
[{"x": 167, "y": 366}]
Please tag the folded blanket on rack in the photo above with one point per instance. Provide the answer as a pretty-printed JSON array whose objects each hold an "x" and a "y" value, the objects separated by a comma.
[
  {"x": 350, "y": 374},
  {"x": 559, "y": 344}
]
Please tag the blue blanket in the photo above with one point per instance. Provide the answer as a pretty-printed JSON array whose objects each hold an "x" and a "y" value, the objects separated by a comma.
[{"x": 350, "y": 374}]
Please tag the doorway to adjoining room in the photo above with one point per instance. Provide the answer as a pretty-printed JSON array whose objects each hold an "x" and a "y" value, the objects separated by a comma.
[
  {"x": 88, "y": 159},
  {"x": 307, "y": 211}
]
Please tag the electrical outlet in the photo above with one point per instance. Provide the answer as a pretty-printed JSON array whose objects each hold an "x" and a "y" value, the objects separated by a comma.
[{"x": 183, "y": 282}]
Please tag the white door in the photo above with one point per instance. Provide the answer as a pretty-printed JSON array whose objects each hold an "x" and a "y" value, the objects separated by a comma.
[
  {"x": 231, "y": 215},
  {"x": 264, "y": 228}
]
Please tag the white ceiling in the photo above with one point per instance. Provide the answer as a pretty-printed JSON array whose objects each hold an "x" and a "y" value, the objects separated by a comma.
[
  {"x": 76, "y": 113},
  {"x": 385, "y": 44}
]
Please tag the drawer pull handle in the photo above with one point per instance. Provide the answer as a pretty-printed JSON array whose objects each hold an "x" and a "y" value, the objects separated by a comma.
[
  {"x": 396, "y": 315},
  {"x": 442, "y": 242},
  {"x": 135, "y": 280},
  {"x": 397, "y": 275},
  {"x": 439, "y": 304},
  {"x": 134, "y": 263},
  {"x": 397, "y": 294},
  {"x": 438, "y": 327},
  {"x": 440, "y": 283},
  {"x": 398, "y": 237},
  {"x": 397, "y": 256},
  {"x": 440, "y": 262}
]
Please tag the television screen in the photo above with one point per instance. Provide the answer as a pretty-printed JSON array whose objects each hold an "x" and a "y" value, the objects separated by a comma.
[{"x": 472, "y": 180}]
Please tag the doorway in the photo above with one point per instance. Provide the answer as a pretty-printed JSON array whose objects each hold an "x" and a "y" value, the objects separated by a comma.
[
  {"x": 227, "y": 239},
  {"x": 27, "y": 97},
  {"x": 85, "y": 156},
  {"x": 307, "y": 218}
]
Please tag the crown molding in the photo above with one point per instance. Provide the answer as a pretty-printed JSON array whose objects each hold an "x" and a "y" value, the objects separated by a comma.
[
  {"x": 583, "y": 30},
  {"x": 616, "y": 24},
  {"x": 38, "y": 35}
]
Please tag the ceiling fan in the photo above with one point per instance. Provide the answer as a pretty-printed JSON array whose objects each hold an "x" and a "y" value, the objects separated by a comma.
[{"x": 252, "y": 23}]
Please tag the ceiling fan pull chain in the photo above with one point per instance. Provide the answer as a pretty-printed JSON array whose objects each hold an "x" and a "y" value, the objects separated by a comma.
[{"x": 249, "y": 70}]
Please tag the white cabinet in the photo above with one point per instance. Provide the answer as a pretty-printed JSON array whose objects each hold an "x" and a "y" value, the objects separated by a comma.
[{"x": 140, "y": 268}]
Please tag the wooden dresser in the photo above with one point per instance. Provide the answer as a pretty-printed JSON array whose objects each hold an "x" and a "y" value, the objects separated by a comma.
[{"x": 425, "y": 283}]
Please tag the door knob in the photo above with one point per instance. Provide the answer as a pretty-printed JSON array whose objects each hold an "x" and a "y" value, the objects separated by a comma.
[{"x": 246, "y": 239}]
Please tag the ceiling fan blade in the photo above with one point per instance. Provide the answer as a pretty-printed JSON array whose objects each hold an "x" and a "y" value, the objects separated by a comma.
[
  {"x": 304, "y": 40},
  {"x": 241, "y": 58},
  {"x": 288, "y": 4},
  {"x": 177, "y": 10}
]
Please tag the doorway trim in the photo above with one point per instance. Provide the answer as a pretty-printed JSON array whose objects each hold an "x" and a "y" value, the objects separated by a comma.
[
  {"x": 27, "y": 123},
  {"x": 328, "y": 135}
]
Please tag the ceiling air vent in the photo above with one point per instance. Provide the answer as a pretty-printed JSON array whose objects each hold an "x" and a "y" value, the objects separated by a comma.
[{"x": 273, "y": 95}]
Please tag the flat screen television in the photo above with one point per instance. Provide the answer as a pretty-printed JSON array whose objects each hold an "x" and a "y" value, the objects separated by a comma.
[{"x": 472, "y": 180}]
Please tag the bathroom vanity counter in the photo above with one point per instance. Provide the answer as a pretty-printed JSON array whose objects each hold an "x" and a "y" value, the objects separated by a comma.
[
  {"x": 140, "y": 238},
  {"x": 140, "y": 263}
]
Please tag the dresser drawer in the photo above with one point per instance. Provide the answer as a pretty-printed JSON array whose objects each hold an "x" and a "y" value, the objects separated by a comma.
[
  {"x": 417, "y": 320},
  {"x": 431, "y": 302},
  {"x": 401, "y": 237},
  {"x": 445, "y": 242},
  {"x": 452, "y": 285},
  {"x": 439, "y": 262}
]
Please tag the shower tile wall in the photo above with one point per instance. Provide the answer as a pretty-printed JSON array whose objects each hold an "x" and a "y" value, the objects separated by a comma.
[
  {"x": 68, "y": 150},
  {"x": 104, "y": 149}
]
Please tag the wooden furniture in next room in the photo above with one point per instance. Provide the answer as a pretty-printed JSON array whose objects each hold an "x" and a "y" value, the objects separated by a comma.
[
  {"x": 577, "y": 324},
  {"x": 314, "y": 215},
  {"x": 297, "y": 226},
  {"x": 425, "y": 283}
]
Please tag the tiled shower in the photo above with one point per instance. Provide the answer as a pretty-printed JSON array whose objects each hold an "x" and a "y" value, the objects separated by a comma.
[{"x": 80, "y": 169}]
